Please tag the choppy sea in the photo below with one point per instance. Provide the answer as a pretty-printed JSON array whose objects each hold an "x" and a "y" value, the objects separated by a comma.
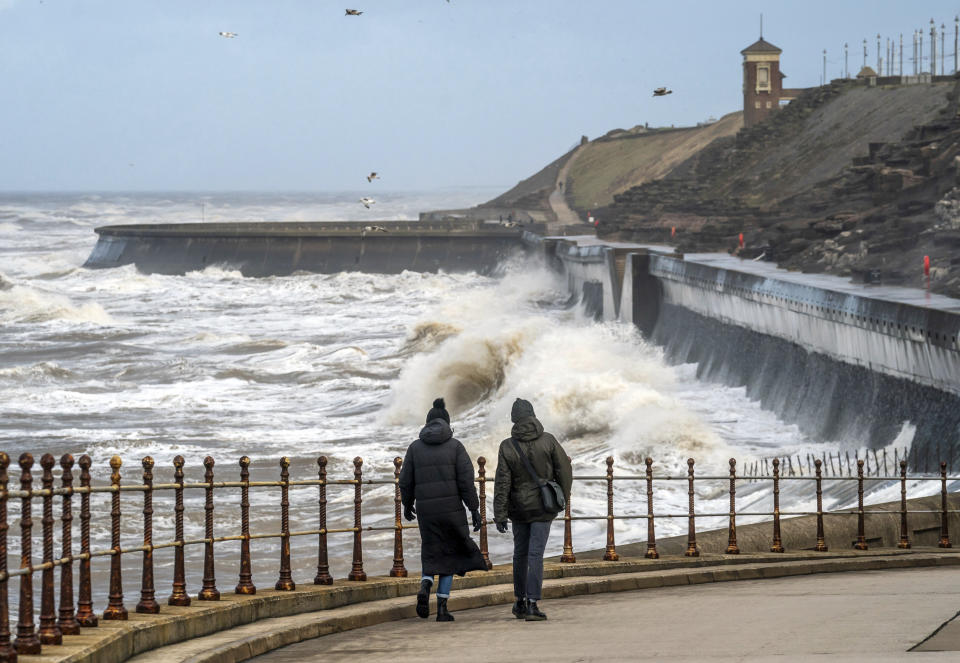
[{"x": 113, "y": 361}]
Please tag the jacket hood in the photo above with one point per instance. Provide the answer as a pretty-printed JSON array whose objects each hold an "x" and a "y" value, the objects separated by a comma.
[
  {"x": 527, "y": 429},
  {"x": 437, "y": 431},
  {"x": 521, "y": 410}
]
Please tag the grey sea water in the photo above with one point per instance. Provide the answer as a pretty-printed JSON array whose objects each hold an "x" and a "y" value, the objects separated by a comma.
[{"x": 114, "y": 361}]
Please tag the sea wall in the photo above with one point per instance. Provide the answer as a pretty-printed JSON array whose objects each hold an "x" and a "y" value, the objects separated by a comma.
[
  {"x": 845, "y": 366},
  {"x": 270, "y": 249}
]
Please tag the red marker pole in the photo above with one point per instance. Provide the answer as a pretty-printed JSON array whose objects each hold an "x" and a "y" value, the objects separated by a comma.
[
  {"x": 673, "y": 231},
  {"x": 926, "y": 269},
  {"x": 741, "y": 240}
]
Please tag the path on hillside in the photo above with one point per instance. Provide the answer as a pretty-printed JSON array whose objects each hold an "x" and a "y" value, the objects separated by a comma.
[
  {"x": 860, "y": 616},
  {"x": 558, "y": 202}
]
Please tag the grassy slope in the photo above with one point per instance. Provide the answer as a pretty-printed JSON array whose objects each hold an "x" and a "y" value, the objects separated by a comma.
[{"x": 607, "y": 167}]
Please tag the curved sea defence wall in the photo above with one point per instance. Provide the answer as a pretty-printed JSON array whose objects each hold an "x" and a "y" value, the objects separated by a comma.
[
  {"x": 272, "y": 249},
  {"x": 843, "y": 361}
]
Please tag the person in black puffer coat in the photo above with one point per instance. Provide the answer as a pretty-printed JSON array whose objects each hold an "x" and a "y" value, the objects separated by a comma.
[{"x": 436, "y": 481}]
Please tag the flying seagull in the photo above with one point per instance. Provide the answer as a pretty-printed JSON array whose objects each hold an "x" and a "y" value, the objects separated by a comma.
[
  {"x": 373, "y": 176},
  {"x": 353, "y": 12},
  {"x": 662, "y": 92},
  {"x": 367, "y": 202},
  {"x": 228, "y": 35},
  {"x": 375, "y": 229}
]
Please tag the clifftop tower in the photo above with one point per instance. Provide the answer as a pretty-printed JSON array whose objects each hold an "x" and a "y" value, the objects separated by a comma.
[{"x": 762, "y": 81}]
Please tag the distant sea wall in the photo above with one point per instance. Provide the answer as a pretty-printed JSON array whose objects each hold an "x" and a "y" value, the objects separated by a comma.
[
  {"x": 270, "y": 249},
  {"x": 844, "y": 367}
]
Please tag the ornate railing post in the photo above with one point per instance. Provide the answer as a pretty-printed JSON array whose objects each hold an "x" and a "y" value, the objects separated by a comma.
[
  {"x": 27, "y": 641},
  {"x": 7, "y": 653},
  {"x": 115, "y": 609},
  {"x": 285, "y": 581},
  {"x": 148, "y": 602},
  {"x": 944, "y": 528},
  {"x": 245, "y": 584},
  {"x": 732, "y": 548},
  {"x": 651, "y": 530},
  {"x": 821, "y": 542},
  {"x": 610, "y": 554},
  {"x": 323, "y": 570},
  {"x": 691, "y": 550},
  {"x": 777, "y": 546},
  {"x": 482, "y": 478},
  {"x": 861, "y": 543},
  {"x": 179, "y": 595},
  {"x": 398, "y": 570},
  {"x": 567, "y": 557},
  {"x": 208, "y": 589},
  {"x": 904, "y": 532},
  {"x": 85, "y": 614},
  {"x": 356, "y": 572},
  {"x": 66, "y": 619},
  {"x": 49, "y": 631}
]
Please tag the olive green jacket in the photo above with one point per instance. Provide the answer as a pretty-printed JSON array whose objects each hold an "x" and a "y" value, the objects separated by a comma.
[{"x": 516, "y": 496}]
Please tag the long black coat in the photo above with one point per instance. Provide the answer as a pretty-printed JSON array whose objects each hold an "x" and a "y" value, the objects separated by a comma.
[{"x": 437, "y": 477}]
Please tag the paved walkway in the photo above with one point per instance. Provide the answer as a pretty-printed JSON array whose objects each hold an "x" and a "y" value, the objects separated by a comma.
[
  {"x": 558, "y": 203},
  {"x": 858, "y": 616}
]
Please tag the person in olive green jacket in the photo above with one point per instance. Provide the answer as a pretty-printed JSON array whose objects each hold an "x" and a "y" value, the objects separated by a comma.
[{"x": 516, "y": 497}]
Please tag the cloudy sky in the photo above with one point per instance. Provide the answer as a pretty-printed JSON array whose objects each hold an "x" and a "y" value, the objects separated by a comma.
[{"x": 121, "y": 95}]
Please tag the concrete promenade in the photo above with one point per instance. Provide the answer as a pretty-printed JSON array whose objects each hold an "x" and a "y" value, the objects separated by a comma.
[
  {"x": 856, "y": 616},
  {"x": 313, "y": 612}
]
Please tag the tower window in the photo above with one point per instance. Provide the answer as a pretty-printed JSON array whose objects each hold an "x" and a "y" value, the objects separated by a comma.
[{"x": 763, "y": 78}]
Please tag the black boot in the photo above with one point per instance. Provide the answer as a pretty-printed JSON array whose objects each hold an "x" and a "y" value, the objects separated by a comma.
[
  {"x": 533, "y": 613},
  {"x": 443, "y": 615},
  {"x": 520, "y": 609},
  {"x": 423, "y": 598}
]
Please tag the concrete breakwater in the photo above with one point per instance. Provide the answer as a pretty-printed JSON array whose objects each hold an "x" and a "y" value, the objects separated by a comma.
[
  {"x": 845, "y": 362},
  {"x": 271, "y": 249}
]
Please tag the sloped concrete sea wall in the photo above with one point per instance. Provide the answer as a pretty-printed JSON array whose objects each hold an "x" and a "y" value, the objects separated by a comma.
[
  {"x": 270, "y": 249},
  {"x": 844, "y": 365}
]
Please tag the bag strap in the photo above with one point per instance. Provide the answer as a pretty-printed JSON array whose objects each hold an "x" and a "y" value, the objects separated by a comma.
[{"x": 526, "y": 463}]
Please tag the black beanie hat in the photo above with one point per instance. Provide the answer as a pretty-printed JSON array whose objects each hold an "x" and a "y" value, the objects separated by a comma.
[
  {"x": 521, "y": 410},
  {"x": 438, "y": 411}
]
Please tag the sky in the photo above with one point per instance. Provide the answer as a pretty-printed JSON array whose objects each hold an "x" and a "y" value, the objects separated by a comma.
[{"x": 144, "y": 95}]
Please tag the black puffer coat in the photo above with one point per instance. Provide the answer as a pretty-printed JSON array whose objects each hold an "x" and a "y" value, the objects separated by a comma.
[{"x": 437, "y": 477}]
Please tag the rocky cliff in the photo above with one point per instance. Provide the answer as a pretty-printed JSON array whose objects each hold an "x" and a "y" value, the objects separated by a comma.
[{"x": 848, "y": 179}]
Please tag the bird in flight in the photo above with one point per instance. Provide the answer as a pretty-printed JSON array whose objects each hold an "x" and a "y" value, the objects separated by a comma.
[
  {"x": 228, "y": 35},
  {"x": 373, "y": 176},
  {"x": 375, "y": 229},
  {"x": 662, "y": 92},
  {"x": 367, "y": 202},
  {"x": 353, "y": 12}
]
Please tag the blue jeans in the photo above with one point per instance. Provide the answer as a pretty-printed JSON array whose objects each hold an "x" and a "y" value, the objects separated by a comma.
[
  {"x": 443, "y": 587},
  {"x": 529, "y": 542}
]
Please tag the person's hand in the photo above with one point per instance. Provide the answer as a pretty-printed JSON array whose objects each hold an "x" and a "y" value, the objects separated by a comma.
[
  {"x": 475, "y": 515},
  {"x": 502, "y": 527},
  {"x": 409, "y": 512}
]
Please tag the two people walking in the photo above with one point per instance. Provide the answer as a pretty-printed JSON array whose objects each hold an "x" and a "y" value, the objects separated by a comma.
[{"x": 437, "y": 487}]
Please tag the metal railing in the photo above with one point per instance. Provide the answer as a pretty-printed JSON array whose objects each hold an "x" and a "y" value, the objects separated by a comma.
[{"x": 66, "y": 618}]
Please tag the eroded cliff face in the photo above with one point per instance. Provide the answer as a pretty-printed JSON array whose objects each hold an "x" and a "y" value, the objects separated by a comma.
[{"x": 846, "y": 179}]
